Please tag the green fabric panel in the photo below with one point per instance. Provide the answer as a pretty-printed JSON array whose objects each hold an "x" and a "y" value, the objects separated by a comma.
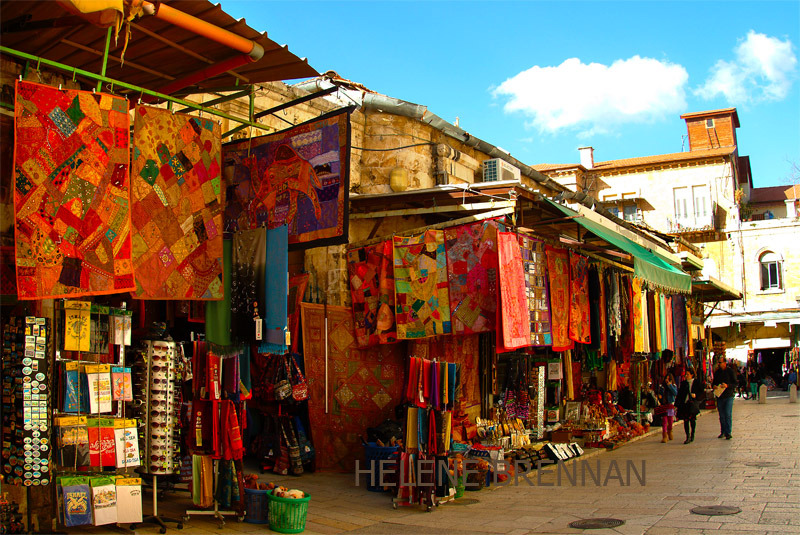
[
  {"x": 646, "y": 264},
  {"x": 218, "y": 313}
]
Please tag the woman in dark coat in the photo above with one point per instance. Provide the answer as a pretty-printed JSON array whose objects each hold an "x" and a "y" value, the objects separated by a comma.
[{"x": 687, "y": 402}]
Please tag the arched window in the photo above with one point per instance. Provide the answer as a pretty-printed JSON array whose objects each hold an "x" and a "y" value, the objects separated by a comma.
[{"x": 771, "y": 278}]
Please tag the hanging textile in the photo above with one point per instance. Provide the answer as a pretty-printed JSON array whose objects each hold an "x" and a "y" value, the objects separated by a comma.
[
  {"x": 679, "y": 326},
  {"x": 372, "y": 290},
  {"x": 595, "y": 307},
  {"x": 558, "y": 278},
  {"x": 513, "y": 297},
  {"x": 472, "y": 276},
  {"x": 176, "y": 206},
  {"x": 218, "y": 313},
  {"x": 72, "y": 219},
  {"x": 662, "y": 311},
  {"x": 566, "y": 365},
  {"x": 579, "y": 320},
  {"x": 670, "y": 326},
  {"x": 202, "y": 480},
  {"x": 420, "y": 277},
  {"x": 534, "y": 263},
  {"x": 689, "y": 331},
  {"x": 638, "y": 322},
  {"x": 277, "y": 290},
  {"x": 364, "y": 385},
  {"x": 463, "y": 350},
  {"x": 298, "y": 177},
  {"x": 297, "y": 289},
  {"x": 645, "y": 322},
  {"x": 652, "y": 323},
  {"x": 248, "y": 281}
]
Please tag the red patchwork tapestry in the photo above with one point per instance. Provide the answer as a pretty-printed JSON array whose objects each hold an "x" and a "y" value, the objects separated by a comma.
[
  {"x": 364, "y": 385},
  {"x": 372, "y": 291},
  {"x": 534, "y": 265},
  {"x": 461, "y": 349},
  {"x": 71, "y": 193},
  {"x": 513, "y": 296},
  {"x": 472, "y": 276},
  {"x": 176, "y": 206},
  {"x": 579, "y": 323},
  {"x": 298, "y": 177},
  {"x": 420, "y": 279},
  {"x": 558, "y": 278}
]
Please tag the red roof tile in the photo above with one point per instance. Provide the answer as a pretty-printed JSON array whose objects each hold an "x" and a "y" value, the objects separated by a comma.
[{"x": 774, "y": 193}]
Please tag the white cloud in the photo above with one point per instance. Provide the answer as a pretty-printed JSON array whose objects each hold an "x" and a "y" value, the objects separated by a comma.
[
  {"x": 596, "y": 98},
  {"x": 763, "y": 69}
]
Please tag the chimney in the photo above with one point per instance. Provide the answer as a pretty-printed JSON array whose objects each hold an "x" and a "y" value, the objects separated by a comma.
[{"x": 587, "y": 157}]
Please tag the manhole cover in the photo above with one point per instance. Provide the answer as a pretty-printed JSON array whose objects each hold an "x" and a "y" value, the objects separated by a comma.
[
  {"x": 713, "y": 510},
  {"x": 596, "y": 523},
  {"x": 464, "y": 501},
  {"x": 762, "y": 464}
]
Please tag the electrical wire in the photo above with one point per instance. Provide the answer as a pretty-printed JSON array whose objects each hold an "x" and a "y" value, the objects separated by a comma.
[{"x": 429, "y": 143}]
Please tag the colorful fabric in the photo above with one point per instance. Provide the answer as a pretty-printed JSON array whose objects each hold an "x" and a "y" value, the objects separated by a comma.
[
  {"x": 464, "y": 350},
  {"x": 298, "y": 177},
  {"x": 513, "y": 296},
  {"x": 472, "y": 276},
  {"x": 248, "y": 282},
  {"x": 662, "y": 315},
  {"x": 638, "y": 316},
  {"x": 670, "y": 328},
  {"x": 176, "y": 206},
  {"x": 579, "y": 320},
  {"x": 297, "y": 289},
  {"x": 71, "y": 193},
  {"x": 534, "y": 264},
  {"x": 679, "y": 325},
  {"x": 218, "y": 313},
  {"x": 364, "y": 385},
  {"x": 558, "y": 279},
  {"x": 277, "y": 277},
  {"x": 372, "y": 291},
  {"x": 422, "y": 303}
]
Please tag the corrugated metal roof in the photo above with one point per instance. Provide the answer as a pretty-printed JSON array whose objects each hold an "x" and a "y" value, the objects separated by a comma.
[{"x": 150, "y": 60}]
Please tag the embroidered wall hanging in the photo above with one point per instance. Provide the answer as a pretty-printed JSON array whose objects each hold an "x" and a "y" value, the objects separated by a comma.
[
  {"x": 372, "y": 290},
  {"x": 364, "y": 385},
  {"x": 420, "y": 278},
  {"x": 298, "y": 177},
  {"x": 534, "y": 264},
  {"x": 558, "y": 279},
  {"x": 71, "y": 193},
  {"x": 472, "y": 276},
  {"x": 513, "y": 297},
  {"x": 579, "y": 324},
  {"x": 176, "y": 206}
]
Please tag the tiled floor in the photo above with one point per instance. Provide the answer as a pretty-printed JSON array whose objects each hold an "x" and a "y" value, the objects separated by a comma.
[{"x": 678, "y": 477}]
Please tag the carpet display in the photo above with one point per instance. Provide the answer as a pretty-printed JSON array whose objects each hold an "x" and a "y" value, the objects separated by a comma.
[
  {"x": 579, "y": 322},
  {"x": 372, "y": 290},
  {"x": 420, "y": 278},
  {"x": 71, "y": 195},
  {"x": 513, "y": 296},
  {"x": 176, "y": 206},
  {"x": 558, "y": 279},
  {"x": 364, "y": 385},
  {"x": 534, "y": 264},
  {"x": 298, "y": 177},
  {"x": 472, "y": 276}
]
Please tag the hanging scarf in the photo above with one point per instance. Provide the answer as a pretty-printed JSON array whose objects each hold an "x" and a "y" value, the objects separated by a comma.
[
  {"x": 232, "y": 447},
  {"x": 218, "y": 313},
  {"x": 662, "y": 305},
  {"x": 670, "y": 327},
  {"x": 277, "y": 290}
]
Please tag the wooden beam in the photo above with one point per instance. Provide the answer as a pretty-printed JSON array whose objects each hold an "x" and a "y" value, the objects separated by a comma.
[{"x": 434, "y": 210}]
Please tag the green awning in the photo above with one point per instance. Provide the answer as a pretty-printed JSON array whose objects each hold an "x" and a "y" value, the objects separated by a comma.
[{"x": 646, "y": 264}]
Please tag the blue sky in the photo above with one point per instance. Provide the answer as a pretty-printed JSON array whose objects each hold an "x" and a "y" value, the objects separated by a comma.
[{"x": 541, "y": 79}]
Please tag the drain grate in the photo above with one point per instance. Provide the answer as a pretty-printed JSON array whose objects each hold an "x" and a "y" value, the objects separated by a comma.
[
  {"x": 596, "y": 523},
  {"x": 463, "y": 501},
  {"x": 714, "y": 510},
  {"x": 762, "y": 464}
]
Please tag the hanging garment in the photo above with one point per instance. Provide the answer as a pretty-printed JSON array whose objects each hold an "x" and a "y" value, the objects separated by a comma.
[
  {"x": 558, "y": 276},
  {"x": 662, "y": 307},
  {"x": 652, "y": 322},
  {"x": 638, "y": 319},
  {"x": 515, "y": 317},
  {"x": 645, "y": 323},
  {"x": 579, "y": 310},
  {"x": 202, "y": 480},
  {"x": 670, "y": 327},
  {"x": 276, "y": 288},
  {"x": 679, "y": 326},
  {"x": 412, "y": 428},
  {"x": 231, "y": 436}
]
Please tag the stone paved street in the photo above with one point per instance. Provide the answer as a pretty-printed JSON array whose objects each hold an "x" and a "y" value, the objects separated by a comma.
[{"x": 678, "y": 477}]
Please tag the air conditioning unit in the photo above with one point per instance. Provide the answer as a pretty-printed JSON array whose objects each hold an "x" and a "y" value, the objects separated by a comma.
[{"x": 496, "y": 169}]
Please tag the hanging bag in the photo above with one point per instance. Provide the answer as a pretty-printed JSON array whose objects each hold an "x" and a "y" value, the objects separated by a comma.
[
  {"x": 283, "y": 388},
  {"x": 299, "y": 385}
]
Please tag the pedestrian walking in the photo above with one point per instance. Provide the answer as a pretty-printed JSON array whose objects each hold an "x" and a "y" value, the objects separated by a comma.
[
  {"x": 687, "y": 403},
  {"x": 724, "y": 390},
  {"x": 666, "y": 408}
]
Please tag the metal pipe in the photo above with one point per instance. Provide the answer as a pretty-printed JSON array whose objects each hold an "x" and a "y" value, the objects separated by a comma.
[
  {"x": 105, "y": 58},
  {"x": 125, "y": 85},
  {"x": 193, "y": 24}
]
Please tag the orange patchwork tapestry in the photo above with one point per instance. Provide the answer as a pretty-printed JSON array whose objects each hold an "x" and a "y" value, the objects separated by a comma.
[
  {"x": 364, "y": 385},
  {"x": 513, "y": 294},
  {"x": 558, "y": 277},
  {"x": 176, "y": 206},
  {"x": 73, "y": 231}
]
